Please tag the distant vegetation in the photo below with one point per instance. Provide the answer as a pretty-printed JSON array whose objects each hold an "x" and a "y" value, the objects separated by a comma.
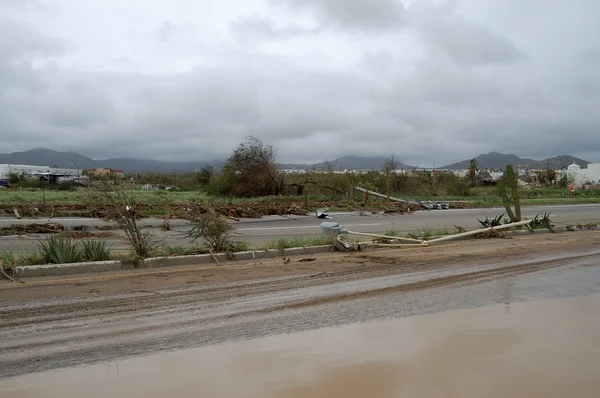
[{"x": 251, "y": 175}]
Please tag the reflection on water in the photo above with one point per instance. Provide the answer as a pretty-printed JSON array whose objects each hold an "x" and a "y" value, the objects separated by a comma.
[{"x": 549, "y": 349}]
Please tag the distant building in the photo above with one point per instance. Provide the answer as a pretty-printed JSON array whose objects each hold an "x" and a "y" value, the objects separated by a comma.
[
  {"x": 52, "y": 174},
  {"x": 580, "y": 177},
  {"x": 106, "y": 171}
]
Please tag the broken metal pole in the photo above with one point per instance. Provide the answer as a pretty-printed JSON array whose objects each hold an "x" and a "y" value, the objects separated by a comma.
[
  {"x": 367, "y": 192},
  {"x": 478, "y": 231}
]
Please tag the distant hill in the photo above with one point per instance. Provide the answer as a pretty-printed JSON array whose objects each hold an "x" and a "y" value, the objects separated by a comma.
[
  {"x": 345, "y": 163},
  {"x": 495, "y": 160},
  {"x": 48, "y": 157}
]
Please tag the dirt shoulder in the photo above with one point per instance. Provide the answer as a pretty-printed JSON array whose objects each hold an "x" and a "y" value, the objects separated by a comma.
[
  {"x": 54, "y": 323},
  {"x": 316, "y": 270}
]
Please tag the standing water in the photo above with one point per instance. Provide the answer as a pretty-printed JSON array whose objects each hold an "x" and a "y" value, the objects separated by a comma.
[{"x": 537, "y": 349}]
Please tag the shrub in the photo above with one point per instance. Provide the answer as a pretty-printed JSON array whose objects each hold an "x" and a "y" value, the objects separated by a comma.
[
  {"x": 491, "y": 222},
  {"x": 60, "y": 251},
  {"x": 541, "y": 222},
  {"x": 458, "y": 187},
  {"x": 8, "y": 258},
  {"x": 95, "y": 250},
  {"x": 214, "y": 229},
  {"x": 120, "y": 207}
]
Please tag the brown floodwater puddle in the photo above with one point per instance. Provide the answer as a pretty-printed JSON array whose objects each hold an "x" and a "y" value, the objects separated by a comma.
[{"x": 536, "y": 349}]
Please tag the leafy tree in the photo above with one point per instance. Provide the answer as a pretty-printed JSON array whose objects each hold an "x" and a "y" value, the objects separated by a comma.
[
  {"x": 251, "y": 170},
  {"x": 16, "y": 178},
  {"x": 205, "y": 174}
]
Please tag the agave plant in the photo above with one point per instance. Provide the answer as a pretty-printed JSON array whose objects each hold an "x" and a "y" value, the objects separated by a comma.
[
  {"x": 491, "y": 222},
  {"x": 60, "y": 250},
  {"x": 541, "y": 222},
  {"x": 95, "y": 250}
]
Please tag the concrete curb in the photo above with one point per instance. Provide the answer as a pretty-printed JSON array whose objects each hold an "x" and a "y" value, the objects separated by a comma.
[
  {"x": 66, "y": 269},
  {"x": 200, "y": 260}
]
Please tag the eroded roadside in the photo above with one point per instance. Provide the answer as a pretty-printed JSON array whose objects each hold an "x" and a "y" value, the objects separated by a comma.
[{"x": 51, "y": 323}]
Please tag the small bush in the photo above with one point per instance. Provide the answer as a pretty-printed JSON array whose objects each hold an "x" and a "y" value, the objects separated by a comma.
[
  {"x": 119, "y": 205},
  {"x": 95, "y": 250},
  {"x": 214, "y": 229},
  {"x": 60, "y": 251},
  {"x": 8, "y": 258},
  {"x": 541, "y": 222},
  {"x": 491, "y": 222}
]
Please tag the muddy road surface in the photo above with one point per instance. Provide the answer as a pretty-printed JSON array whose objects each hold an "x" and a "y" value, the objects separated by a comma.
[{"x": 58, "y": 323}]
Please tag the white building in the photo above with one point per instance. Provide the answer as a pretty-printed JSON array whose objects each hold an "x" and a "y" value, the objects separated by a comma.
[
  {"x": 36, "y": 171},
  {"x": 579, "y": 176}
]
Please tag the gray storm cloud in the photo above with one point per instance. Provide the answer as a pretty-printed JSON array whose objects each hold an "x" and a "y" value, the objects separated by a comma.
[{"x": 426, "y": 81}]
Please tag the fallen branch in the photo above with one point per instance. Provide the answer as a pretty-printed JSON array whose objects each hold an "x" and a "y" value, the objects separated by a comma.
[
  {"x": 10, "y": 278},
  {"x": 214, "y": 257}
]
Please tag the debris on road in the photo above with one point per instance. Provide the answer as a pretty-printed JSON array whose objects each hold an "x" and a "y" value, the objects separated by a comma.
[{"x": 24, "y": 229}]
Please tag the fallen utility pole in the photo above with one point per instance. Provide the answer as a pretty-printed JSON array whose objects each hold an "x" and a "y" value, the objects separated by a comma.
[
  {"x": 366, "y": 191},
  {"x": 479, "y": 231},
  {"x": 334, "y": 229}
]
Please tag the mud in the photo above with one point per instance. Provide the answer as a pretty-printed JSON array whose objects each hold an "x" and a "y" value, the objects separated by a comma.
[
  {"x": 54, "y": 323},
  {"x": 483, "y": 352}
]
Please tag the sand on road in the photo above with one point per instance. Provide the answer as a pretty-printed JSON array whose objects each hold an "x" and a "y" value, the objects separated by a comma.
[{"x": 53, "y": 323}]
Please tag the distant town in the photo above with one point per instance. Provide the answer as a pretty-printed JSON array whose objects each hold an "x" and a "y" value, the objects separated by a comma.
[{"x": 573, "y": 174}]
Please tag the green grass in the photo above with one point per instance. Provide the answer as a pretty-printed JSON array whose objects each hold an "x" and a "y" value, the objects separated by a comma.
[
  {"x": 428, "y": 233},
  {"x": 33, "y": 257},
  {"x": 296, "y": 241}
]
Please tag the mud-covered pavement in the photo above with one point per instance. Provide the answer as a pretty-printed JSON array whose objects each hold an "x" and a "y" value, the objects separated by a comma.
[{"x": 56, "y": 323}]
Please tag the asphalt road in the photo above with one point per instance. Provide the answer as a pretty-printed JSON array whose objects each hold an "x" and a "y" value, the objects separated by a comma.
[
  {"x": 435, "y": 219},
  {"x": 259, "y": 231}
]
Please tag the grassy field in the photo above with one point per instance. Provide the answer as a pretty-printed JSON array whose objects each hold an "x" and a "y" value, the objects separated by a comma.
[{"x": 480, "y": 197}]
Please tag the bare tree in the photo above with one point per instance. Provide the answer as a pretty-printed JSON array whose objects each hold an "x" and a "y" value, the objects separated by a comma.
[{"x": 119, "y": 205}]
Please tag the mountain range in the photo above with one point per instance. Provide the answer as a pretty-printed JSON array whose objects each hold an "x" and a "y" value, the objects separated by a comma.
[
  {"x": 495, "y": 160},
  {"x": 48, "y": 157}
]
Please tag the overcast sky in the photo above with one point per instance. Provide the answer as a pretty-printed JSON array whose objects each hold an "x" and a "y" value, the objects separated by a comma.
[{"x": 424, "y": 80}]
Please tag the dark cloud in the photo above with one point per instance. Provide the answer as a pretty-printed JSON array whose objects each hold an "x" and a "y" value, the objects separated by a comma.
[
  {"x": 18, "y": 40},
  {"x": 353, "y": 14},
  {"x": 412, "y": 92},
  {"x": 256, "y": 28},
  {"x": 463, "y": 41},
  {"x": 470, "y": 44}
]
